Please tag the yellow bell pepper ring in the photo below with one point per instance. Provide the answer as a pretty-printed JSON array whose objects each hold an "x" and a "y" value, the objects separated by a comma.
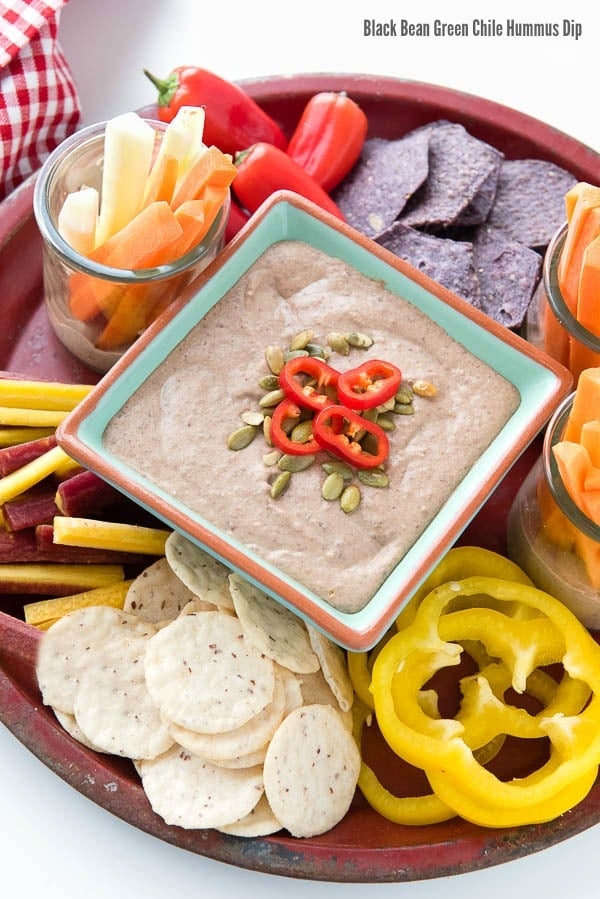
[{"x": 536, "y": 631}]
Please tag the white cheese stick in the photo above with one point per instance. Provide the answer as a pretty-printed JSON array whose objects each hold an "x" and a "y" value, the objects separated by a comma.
[{"x": 128, "y": 151}]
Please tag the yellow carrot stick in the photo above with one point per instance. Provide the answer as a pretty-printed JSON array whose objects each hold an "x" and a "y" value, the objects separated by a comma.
[
  {"x": 98, "y": 534},
  {"x": 57, "y": 578},
  {"x": 44, "y": 418},
  {"x": 49, "y": 395},
  {"x": 51, "y": 609},
  {"x": 23, "y": 478},
  {"x": 12, "y": 436}
]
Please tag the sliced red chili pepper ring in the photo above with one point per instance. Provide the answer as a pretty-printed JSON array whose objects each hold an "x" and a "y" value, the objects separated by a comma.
[
  {"x": 287, "y": 409},
  {"x": 304, "y": 393},
  {"x": 368, "y": 385},
  {"x": 336, "y": 429}
]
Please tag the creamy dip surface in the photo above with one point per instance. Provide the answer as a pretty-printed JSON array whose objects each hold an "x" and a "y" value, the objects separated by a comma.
[{"x": 174, "y": 429}]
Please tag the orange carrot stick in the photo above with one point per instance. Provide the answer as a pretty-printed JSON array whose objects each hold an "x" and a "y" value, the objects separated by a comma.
[
  {"x": 586, "y": 404},
  {"x": 583, "y": 227},
  {"x": 161, "y": 180},
  {"x": 143, "y": 243},
  {"x": 212, "y": 167}
]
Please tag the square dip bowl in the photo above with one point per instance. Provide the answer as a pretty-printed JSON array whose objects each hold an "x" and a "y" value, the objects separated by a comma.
[{"x": 157, "y": 424}]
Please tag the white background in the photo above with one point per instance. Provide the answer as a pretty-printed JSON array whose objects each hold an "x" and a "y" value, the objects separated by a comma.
[{"x": 53, "y": 842}]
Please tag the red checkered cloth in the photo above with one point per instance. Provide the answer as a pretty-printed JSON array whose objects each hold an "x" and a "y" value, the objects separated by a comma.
[{"x": 39, "y": 104}]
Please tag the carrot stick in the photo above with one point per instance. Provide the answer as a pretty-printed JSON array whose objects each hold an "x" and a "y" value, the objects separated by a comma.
[
  {"x": 143, "y": 243},
  {"x": 574, "y": 463},
  {"x": 588, "y": 294},
  {"x": 130, "y": 316},
  {"x": 162, "y": 180},
  {"x": 590, "y": 439},
  {"x": 212, "y": 167},
  {"x": 583, "y": 227},
  {"x": 586, "y": 404}
]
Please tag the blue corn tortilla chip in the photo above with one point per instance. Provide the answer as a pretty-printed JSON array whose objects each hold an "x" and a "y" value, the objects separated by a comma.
[
  {"x": 460, "y": 186},
  {"x": 508, "y": 273},
  {"x": 449, "y": 262},
  {"x": 386, "y": 175},
  {"x": 529, "y": 205}
]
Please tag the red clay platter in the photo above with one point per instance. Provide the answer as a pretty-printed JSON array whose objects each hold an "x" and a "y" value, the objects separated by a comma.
[{"x": 364, "y": 847}]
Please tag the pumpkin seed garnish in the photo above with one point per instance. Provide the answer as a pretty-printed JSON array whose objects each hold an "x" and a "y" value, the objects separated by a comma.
[
  {"x": 424, "y": 388},
  {"x": 315, "y": 349},
  {"x": 241, "y": 437},
  {"x": 253, "y": 417},
  {"x": 333, "y": 486},
  {"x": 302, "y": 432},
  {"x": 346, "y": 471},
  {"x": 360, "y": 340},
  {"x": 272, "y": 458},
  {"x": 267, "y": 430},
  {"x": 300, "y": 341},
  {"x": 404, "y": 394},
  {"x": 280, "y": 484},
  {"x": 350, "y": 498},
  {"x": 294, "y": 354},
  {"x": 403, "y": 409},
  {"x": 269, "y": 382},
  {"x": 274, "y": 358},
  {"x": 338, "y": 343},
  {"x": 291, "y": 463},
  {"x": 272, "y": 398},
  {"x": 373, "y": 477}
]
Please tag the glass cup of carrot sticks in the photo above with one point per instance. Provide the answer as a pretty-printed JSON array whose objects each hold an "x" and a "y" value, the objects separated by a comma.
[
  {"x": 553, "y": 530},
  {"x": 564, "y": 316},
  {"x": 130, "y": 211}
]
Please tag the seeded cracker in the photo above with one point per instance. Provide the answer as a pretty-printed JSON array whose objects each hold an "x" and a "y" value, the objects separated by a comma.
[
  {"x": 112, "y": 705},
  {"x": 311, "y": 770},
  {"x": 189, "y": 792},
  {"x": 249, "y": 737},
  {"x": 76, "y": 643},
  {"x": 157, "y": 594},
  {"x": 204, "y": 674},
  {"x": 204, "y": 575},
  {"x": 275, "y": 630},
  {"x": 259, "y": 823},
  {"x": 333, "y": 665}
]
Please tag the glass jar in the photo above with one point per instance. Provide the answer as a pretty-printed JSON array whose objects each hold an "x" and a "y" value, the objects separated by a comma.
[
  {"x": 551, "y": 325},
  {"x": 550, "y": 538},
  {"x": 78, "y": 161}
]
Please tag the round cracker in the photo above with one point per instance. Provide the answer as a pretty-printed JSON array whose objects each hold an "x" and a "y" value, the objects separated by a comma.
[
  {"x": 204, "y": 575},
  {"x": 204, "y": 674},
  {"x": 243, "y": 761},
  {"x": 315, "y": 689},
  {"x": 112, "y": 705},
  {"x": 189, "y": 792},
  {"x": 72, "y": 645},
  {"x": 311, "y": 770},
  {"x": 260, "y": 822},
  {"x": 250, "y": 737},
  {"x": 332, "y": 660},
  {"x": 275, "y": 630},
  {"x": 157, "y": 594},
  {"x": 69, "y": 723}
]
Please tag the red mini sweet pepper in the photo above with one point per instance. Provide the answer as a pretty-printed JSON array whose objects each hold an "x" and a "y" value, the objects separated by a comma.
[
  {"x": 369, "y": 384},
  {"x": 293, "y": 380},
  {"x": 329, "y": 137},
  {"x": 264, "y": 168},
  {"x": 233, "y": 120},
  {"x": 337, "y": 428}
]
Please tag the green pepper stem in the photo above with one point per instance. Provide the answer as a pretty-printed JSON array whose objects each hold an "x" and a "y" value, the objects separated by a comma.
[{"x": 166, "y": 87}]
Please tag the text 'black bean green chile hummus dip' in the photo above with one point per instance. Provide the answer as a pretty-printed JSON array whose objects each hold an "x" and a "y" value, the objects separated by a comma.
[{"x": 174, "y": 430}]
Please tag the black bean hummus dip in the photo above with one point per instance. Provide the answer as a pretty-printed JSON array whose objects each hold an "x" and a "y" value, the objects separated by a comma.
[{"x": 175, "y": 428}]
